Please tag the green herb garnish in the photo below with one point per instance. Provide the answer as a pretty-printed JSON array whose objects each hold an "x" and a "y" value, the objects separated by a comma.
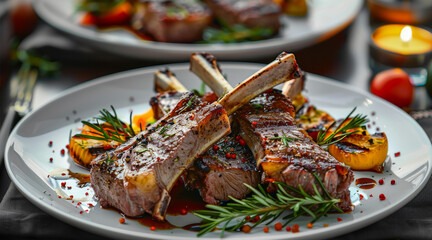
[
  {"x": 97, "y": 7},
  {"x": 342, "y": 132},
  {"x": 268, "y": 207},
  {"x": 112, "y": 129},
  {"x": 284, "y": 139},
  {"x": 234, "y": 34}
]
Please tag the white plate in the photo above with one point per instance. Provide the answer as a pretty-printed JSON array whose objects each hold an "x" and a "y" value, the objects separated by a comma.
[
  {"x": 325, "y": 19},
  {"x": 28, "y": 153}
]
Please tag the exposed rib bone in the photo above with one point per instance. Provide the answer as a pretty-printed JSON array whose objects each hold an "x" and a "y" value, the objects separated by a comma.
[
  {"x": 205, "y": 67},
  {"x": 283, "y": 69},
  {"x": 166, "y": 81}
]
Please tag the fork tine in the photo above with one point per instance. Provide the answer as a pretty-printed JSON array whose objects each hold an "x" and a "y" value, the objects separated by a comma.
[{"x": 25, "y": 94}]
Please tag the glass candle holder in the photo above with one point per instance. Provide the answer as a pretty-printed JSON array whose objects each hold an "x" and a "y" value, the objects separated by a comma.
[{"x": 402, "y": 46}]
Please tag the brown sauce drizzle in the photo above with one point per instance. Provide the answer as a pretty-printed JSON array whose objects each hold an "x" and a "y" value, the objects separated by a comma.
[
  {"x": 365, "y": 183},
  {"x": 81, "y": 177}
]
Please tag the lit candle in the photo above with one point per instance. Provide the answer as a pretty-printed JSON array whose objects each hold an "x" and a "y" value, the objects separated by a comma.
[{"x": 402, "y": 39}]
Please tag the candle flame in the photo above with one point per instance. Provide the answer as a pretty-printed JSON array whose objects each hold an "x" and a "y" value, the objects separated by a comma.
[{"x": 406, "y": 34}]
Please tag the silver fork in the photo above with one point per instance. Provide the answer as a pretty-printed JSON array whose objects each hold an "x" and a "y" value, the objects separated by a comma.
[{"x": 21, "y": 92}]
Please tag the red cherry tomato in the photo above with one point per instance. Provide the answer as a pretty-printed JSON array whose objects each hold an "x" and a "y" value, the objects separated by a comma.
[
  {"x": 23, "y": 18},
  {"x": 395, "y": 86}
]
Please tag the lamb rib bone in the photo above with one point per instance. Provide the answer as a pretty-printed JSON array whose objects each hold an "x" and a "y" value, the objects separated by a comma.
[
  {"x": 137, "y": 176},
  {"x": 283, "y": 69},
  {"x": 289, "y": 162},
  {"x": 166, "y": 81}
]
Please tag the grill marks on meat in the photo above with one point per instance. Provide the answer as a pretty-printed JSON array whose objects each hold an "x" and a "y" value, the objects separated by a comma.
[
  {"x": 251, "y": 13},
  {"x": 294, "y": 160},
  {"x": 218, "y": 176},
  {"x": 214, "y": 174},
  {"x": 178, "y": 21},
  {"x": 137, "y": 176}
]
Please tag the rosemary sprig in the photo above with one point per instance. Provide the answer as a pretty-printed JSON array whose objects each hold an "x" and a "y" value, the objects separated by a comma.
[
  {"x": 342, "y": 131},
  {"x": 269, "y": 207},
  {"x": 201, "y": 92},
  {"x": 112, "y": 128},
  {"x": 284, "y": 139}
]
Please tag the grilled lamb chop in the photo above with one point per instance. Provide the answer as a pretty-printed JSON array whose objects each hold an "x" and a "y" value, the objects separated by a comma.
[
  {"x": 251, "y": 13},
  {"x": 219, "y": 172},
  {"x": 179, "y": 21},
  {"x": 137, "y": 176},
  {"x": 282, "y": 150}
]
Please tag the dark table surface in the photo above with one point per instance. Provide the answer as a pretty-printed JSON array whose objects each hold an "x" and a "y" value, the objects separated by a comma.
[{"x": 343, "y": 57}]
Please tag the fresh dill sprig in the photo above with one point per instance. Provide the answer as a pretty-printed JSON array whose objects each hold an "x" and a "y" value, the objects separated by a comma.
[
  {"x": 284, "y": 139},
  {"x": 268, "y": 206},
  {"x": 111, "y": 128},
  {"x": 347, "y": 127}
]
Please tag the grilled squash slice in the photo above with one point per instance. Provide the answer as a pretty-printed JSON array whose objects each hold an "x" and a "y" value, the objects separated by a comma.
[{"x": 362, "y": 151}]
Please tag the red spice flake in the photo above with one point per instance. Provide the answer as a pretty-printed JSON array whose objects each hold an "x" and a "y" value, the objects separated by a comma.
[
  {"x": 381, "y": 182},
  {"x": 90, "y": 205},
  {"x": 226, "y": 140},
  {"x": 232, "y": 149},
  {"x": 278, "y": 226},
  {"x": 71, "y": 196},
  {"x": 86, "y": 210},
  {"x": 339, "y": 219},
  {"x": 254, "y": 123},
  {"x": 192, "y": 117},
  {"x": 51, "y": 159},
  {"x": 377, "y": 128},
  {"x": 73, "y": 201},
  {"x": 63, "y": 184},
  {"x": 242, "y": 142},
  {"x": 62, "y": 152},
  {"x": 59, "y": 196},
  {"x": 153, "y": 228},
  {"x": 243, "y": 160},
  {"x": 373, "y": 113},
  {"x": 361, "y": 196},
  {"x": 271, "y": 180},
  {"x": 63, "y": 174},
  {"x": 325, "y": 225},
  {"x": 86, "y": 193},
  {"x": 371, "y": 195},
  {"x": 295, "y": 228},
  {"x": 233, "y": 156},
  {"x": 228, "y": 155},
  {"x": 81, "y": 212},
  {"x": 247, "y": 218},
  {"x": 79, "y": 203},
  {"x": 373, "y": 122},
  {"x": 382, "y": 197},
  {"x": 368, "y": 125},
  {"x": 158, "y": 158},
  {"x": 67, "y": 147},
  {"x": 122, "y": 220},
  {"x": 48, "y": 176},
  {"x": 266, "y": 229},
  {"x": 397, "y": 154},
  {"x": 256, "y": 219},
  {"x": 361, "y": 211},
  {"x": 246, "y": 228},
  {"x": 215, "y": 147},
  {"x": 238, "y": 137},
  {"x": 50, "y": 143},
  {"x": 309, "y": 225},
  {"x": 393, "y": 182},
  {"x": 288, "y": 228},
  {"x": 183, "y": 211}
]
